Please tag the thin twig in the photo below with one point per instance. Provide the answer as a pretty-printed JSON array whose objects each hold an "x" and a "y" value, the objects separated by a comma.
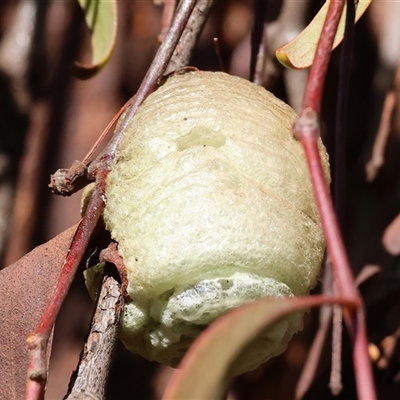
[
  {"x": 217, "y": 48},
  {"x": 183, "y": 51},
  {"x": 89, "y": 155},
  {"x": 158, "y": 67},
  {"x": 26, "y": 195},
  {"x": 259, "y": 69},
  {"x": 362, "y": 363},
  {"x": 95, "y": 360},
  {"x": 335, "y": 379},
  {"x": 314, "y": 354},
  {"x": 378, "y": 150},
  {"x": 258, "y": 39},
  {"x": 367, "y": 272},
  {"x": 66, "y": 182}
]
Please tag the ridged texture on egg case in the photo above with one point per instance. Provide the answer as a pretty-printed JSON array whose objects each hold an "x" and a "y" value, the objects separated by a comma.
[{"x": 210, "y": 185}]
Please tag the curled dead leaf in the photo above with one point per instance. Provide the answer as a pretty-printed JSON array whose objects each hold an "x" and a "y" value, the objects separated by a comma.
[{"x": 25, "y": 288}]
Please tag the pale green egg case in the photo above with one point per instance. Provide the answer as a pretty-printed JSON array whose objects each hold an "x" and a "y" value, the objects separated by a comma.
[{"x": 210, "y": 202}]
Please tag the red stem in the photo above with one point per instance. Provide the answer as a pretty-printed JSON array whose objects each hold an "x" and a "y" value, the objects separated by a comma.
[
  {"x": 362, "y": 362},
  {"x": 37, "y": 342},
  {"x": 34, "y": 390},
  {"x": 75, "y": 254},
  {"x": 306, "y": 129},
  {"x": 315, "y": 84}
]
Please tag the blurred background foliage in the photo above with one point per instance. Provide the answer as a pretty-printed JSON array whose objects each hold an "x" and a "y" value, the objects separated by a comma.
[{"x": 48, "y": 119}]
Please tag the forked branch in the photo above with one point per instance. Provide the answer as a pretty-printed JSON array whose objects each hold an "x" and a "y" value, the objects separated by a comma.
[{"x": 306, "y": 130}]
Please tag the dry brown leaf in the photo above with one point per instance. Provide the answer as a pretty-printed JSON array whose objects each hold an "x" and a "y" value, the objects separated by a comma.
[{"x": 25, "y": 287}]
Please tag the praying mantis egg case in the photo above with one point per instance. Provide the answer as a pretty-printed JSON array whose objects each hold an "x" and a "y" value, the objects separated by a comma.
[{"x": 211, "y": 204}]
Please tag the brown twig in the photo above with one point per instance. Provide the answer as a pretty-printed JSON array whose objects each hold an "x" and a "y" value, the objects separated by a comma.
[
  {"x": 217, "y": 48},
  {"x": 24, "y": 216},
  {"x": 158, "y": 67},
  {"x": 335, "y": 379},
  {"x": 66, "y": 182},
  {"x": 366, "y": 273},
  {"x": 258, "y": 41},
  {"x": 314, "y": 355},
  {"x": 96, "y": 357},
  {"x": 170, "y": 54},
  {"x": 311, "y": 364},
  {"x": 184, "y": 49},
  {"x": 259, "y": 69},
  {"x": 378, "y": 150}
]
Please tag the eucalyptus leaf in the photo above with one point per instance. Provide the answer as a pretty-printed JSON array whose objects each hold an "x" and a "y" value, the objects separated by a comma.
[
  {"x": 205, "y": 370},
  {"x": 101, "y": 19},
  {"x": 299, "y": 53}
]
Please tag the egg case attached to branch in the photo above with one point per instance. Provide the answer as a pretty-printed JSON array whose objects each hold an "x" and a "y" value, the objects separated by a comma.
[{"x": 210, "y": 202}]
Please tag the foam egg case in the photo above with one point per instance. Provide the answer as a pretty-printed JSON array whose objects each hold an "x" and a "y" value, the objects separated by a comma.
[{"x": 210, "y": 202}]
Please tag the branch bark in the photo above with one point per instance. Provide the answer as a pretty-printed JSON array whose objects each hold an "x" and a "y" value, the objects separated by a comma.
[
  {"x": 95, "y": 360},
  {"x": 190, "y": 35}
]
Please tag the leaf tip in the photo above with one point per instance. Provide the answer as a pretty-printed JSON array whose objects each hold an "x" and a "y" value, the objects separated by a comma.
[
  {"x": 85, "y": 71},
  {"x": 283, "y": 58}
]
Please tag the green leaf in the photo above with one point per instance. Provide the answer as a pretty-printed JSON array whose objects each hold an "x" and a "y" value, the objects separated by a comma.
[
  {"x": 299, "y": 53},
  {"x": 101, "y": 19},
  {"x": 204, "y": 370}
]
